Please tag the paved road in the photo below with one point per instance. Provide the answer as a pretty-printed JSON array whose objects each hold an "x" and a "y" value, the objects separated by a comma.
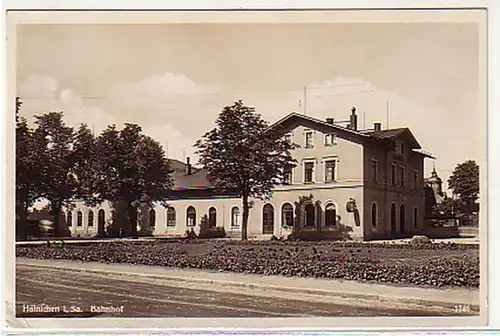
[{"x": 78, "y": 291}]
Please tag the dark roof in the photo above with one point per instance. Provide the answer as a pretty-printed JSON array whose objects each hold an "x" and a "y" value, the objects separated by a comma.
[
  {"x": 183, "y": 181},
  {"x": 388, "y": 134}
]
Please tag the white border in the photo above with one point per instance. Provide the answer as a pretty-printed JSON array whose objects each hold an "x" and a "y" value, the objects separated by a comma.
[{"x": 493, "y": 71}]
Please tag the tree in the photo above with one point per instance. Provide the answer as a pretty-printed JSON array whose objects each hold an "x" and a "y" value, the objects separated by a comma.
[
  {"x": 84, "y": 163},
  {"x": 19, "y": 103},
  {"x": 132, "y": 170},
  {"x": 464, "y": 183},
  {"x": 27, "y": 172},
  {"x": 242, "y": 153},
  {"x": 53, "y": 144}
]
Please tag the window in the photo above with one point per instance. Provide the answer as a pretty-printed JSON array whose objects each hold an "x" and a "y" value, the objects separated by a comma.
[
  {"x": 171, "y": 216},
  {"x": 309, "y": 139},
  {"x": 402, "y": 175},
  {"x": 91, "y": 218},
  {"x": 79, "y": 218},
  {"x": 212, "y": 217},
  {"x": 393, "y": 218},
  {"x": 287, "y": 215},
  {"x": 267, "y": 219},
  {"x": 69, "y": 219},
  {"x": 330, "y": 140},
  {"x": 393, "y": 174},
  {"x": 191, "y": 216},
  {"x": 402, "y": 219},
  {"x": 235, "y": 217},
  {"x": 374, "y": 171},
  {"x": 415, "y": 179},
  {"x": 288, "y": 137},
  {"x": 330, "y": 215},
  {"x": 288, "y": 177},
  {"x": 308, "y": 172},
  {"x": 374, "y": 214},
  {"x": 330, "y": 166},
  {"x": 310, "y": 216},
  {"x": 415, "y": 218},
  {"x": 152, "y": 218},
  {"x": 400, "y": 148}
]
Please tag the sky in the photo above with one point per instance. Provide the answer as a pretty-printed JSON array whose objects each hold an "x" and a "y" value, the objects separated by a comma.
[{"x": 174, "y": 79}]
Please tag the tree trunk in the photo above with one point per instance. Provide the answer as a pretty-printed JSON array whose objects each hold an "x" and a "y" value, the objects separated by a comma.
[
  {"x": 56, "y": 211},
  {"x": 132, "y": 220},
  {"x": 22, "y": 225},
  {"x": 244, "y": 224}
]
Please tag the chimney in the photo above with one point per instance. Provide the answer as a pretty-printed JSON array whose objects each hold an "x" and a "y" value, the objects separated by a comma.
[
  {"x": 377, "y": 126},
  {"x": 329, "y": 120},
  {"x": 353, "y": 120},
  {"x": 188, "y": 164}
]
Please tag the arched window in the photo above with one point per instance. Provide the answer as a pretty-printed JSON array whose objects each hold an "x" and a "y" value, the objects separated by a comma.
[
  {"x": 212, "y": 217},
  {"x": 415, "y": 217},
  {"x": 69, "y": 218},
  {"x": 310, "y": 216},
  {"x": 402, "y": 218},
  {"x": 100, "y": 221},
  {"x": 393, "y": 218},
  {"x": 374, "y": 214},
  {"x": 267, "y": 219},
  {"x": 235, "y": 217},
  {"x": 191, "y": 216},
  {"x": 287, "y": 215},
  {"x": 152, "y": 218},
  {"x": 79, "y": 218},
  {"x": 90, "y": 220},
  {"x": 330, "y": 215},
  {"x": 171, "y": 218}
]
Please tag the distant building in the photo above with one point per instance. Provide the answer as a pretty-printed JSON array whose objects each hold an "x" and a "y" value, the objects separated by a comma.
[{"x": 366, "y": 184}]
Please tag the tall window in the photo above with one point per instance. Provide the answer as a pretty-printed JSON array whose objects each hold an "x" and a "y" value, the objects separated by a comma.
[
  {"x": 393, "y": 218},
  {"x": 288, "y": 177},
  {"x": 309, "y": 139},
  {"x": 310, "y": 215},
  {"x": 330, "y": 139},
  {"x": 171, "y": 216},
  {"x": 191, "y": 216},
  {"x": 152, "y": 218},
  {"x": 308, "y": 172},
  {"x": 212, "y": 217},
  {"x": 415, "y": 179},
  {"x": 415, "y": 218},
  {"x": 374, "y": 214},
  {"x": 330, "y": 215},
  {"x": 287, "y": 215},
  {"x": 330, "y": 166},
  {"x": 69, "y": 219},
  {"x": 402, "y": 218},
  {"x": 374, "y": 171},
  {"x": 91, "y": 218},
  {"x": 235, "y": 217},
  {"x": 402, "y": 175},
  {"x": 267, "y": 219},
  {"x": 79, "y": 218},
  {"x": 393, "y": 174}
]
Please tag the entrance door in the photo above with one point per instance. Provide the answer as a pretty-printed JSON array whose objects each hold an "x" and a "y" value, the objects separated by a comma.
[
  {"x": 100, "y": 222},
  {"x": 268, "y": 219}
]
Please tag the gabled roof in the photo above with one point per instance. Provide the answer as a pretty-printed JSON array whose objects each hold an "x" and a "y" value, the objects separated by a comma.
[
  {"x": 395, "y": 133},
  {"x": 182, "y": 181}
]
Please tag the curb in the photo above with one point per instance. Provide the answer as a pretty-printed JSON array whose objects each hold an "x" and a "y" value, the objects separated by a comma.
[{"x": 449, "y": 306}]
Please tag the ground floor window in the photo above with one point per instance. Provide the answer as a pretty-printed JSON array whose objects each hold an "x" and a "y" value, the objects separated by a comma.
[
  {"x": 91, "y": 218},
  {"x": 69, "y": 219},
  {"x": 212, "y": 217},
  {"x": 79, "y": 218},
  {"x": 310, "y": 216},
  {"x": 393, "y": 218},
  {"x": 152, "y": 218},
  {"x": 287, "y": 215},
  {"x": 415, "y": 217},
  {"x": 171, "y": 216},
  {"x": 374, "y": 214},
  {"x": 330, "y": 215},
  {"x": 235, "y": 217},
  {"x": 268, "y": 219},
  {"x": 402, "y": 218},
  {"x": 191, "y": 216}
]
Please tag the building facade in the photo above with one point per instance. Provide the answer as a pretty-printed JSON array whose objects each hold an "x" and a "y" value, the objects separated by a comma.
[{"x": 348, "y": 183}]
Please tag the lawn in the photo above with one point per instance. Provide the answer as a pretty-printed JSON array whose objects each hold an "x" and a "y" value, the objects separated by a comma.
[{"x": 435, "y": 264}]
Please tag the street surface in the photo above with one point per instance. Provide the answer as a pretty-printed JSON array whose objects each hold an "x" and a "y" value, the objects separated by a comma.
[{"x": 85, "y": 295}]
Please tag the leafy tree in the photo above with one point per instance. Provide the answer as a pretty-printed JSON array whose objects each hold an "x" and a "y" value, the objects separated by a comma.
[
  {"x": 84, "y": 163},
  {"x": 464, "y": 183},
  {"x": 27, "y": 171},
  {"x": 243, "y": 153},
  {"x": 53, "y": 142},
  {"x": 19, "y": 103},
  {"x": 131, "y": 169}
]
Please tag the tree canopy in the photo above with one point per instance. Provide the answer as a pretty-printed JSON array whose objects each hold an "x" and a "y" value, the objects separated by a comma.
[
  {"x": 464, "y": 182},
  {"x": 243, "y": 153}
]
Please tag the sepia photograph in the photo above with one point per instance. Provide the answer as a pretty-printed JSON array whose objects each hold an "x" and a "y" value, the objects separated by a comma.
[{"x": 255, "y": 165}]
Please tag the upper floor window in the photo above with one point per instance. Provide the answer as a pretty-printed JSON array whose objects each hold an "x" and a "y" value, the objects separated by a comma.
[
  {"x": 393, "y": 174},
  {"x": 374, "y": 171},
  {"x": 288, "y": 137},
  {"x": 415, "y": 179},
  {"x": 402, "y": 175},
  {"x": 400, "y": 148},
  {"x": 330, "y": 170},
  {"x": 330, "y": 139},
  {"x": 309, "y": 139},
  {"x": 288, "y": 176},
  {"x": 308, "y": 172}
]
